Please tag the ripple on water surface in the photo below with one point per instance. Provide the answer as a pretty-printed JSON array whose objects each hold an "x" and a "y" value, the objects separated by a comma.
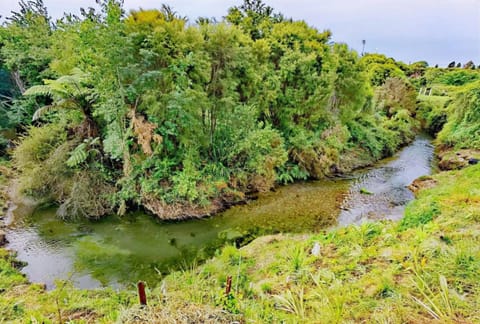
[{"x": 387, "y": 184}]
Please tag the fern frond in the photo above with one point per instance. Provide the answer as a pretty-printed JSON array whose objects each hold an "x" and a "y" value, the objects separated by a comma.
[
  {"x": 58, "y": 88},
  {"x": 78, "y": 155},
  {"x": 40, "y": 112},
  {"x": 77, "y": 78},
  {"x": 39, "y": 90},
  {"x": 67, "y": 92},
  {"x": 67, "y": 104}
]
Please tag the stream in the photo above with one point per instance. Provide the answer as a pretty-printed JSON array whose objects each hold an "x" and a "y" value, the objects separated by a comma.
[{"x": 119, "y": 251}]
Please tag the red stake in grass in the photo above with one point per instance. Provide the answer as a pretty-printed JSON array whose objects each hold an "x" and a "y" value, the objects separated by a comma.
[
  {"x": 141, "y": 293},
  {"x": 229, "y": 285}
]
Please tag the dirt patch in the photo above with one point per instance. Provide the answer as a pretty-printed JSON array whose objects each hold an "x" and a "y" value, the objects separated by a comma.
[
  {"x": 421, "y": 184},
  {"x": 457, "y": 159},
  {"x": 86, "y": 315}
]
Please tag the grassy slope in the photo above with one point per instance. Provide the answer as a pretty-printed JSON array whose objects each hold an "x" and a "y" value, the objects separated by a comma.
[{"x": 421, "y": 269}]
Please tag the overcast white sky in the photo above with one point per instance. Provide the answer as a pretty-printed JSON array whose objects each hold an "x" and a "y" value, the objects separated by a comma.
[{"x": 438, "y": 31}]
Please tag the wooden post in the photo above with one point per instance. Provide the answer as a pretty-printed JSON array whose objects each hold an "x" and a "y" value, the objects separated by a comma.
[
  {"x": 141, "y": 293},
  {"x": 228, "y": 288}
]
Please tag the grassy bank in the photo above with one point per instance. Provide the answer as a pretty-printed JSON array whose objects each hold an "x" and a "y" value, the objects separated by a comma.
[
  {"x": 422, "y": 269},
  {"x": 23, "y": 302}
]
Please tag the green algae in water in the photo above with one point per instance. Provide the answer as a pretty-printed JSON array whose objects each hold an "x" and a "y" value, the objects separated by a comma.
[
  {"x": 364, "y": 191},
  {"x": 123, "y": 250}
]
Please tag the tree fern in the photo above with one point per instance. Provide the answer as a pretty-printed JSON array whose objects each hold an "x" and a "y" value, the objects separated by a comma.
[
  {"x": 39, "y": 90},
  {"x": 67, "y": 92},
  {"x": 40, "y": 112}
]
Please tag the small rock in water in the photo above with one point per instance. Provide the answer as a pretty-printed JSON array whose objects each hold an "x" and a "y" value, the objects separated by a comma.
[
  {"x": 3, "y": 238},
  {"x": 473, "y": 161},
  {"x": 316, "y": 249}
]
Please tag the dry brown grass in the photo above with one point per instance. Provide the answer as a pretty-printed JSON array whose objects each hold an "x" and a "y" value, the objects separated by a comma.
[{"x": 181, "y": 313}]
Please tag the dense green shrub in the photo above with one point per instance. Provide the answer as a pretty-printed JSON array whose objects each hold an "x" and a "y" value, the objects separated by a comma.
[
  {"x": 379, "y": 141},
  {"x": 462, "y": 129},
  {"x": 152, "y": 111},
  {"x": 432, "y": 112},
  {"x": 42, "y": 156},
  {"x": 457, "y": 77},
  {"x": 380, "y": 68}
]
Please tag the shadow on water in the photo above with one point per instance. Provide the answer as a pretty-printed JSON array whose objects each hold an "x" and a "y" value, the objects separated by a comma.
[{"x": 118, "y": 251}]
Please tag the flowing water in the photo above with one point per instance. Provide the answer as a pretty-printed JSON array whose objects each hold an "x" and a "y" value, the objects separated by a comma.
[
  {"x": 381, "y": 192},
  {"x": 119, "y": 251}
]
